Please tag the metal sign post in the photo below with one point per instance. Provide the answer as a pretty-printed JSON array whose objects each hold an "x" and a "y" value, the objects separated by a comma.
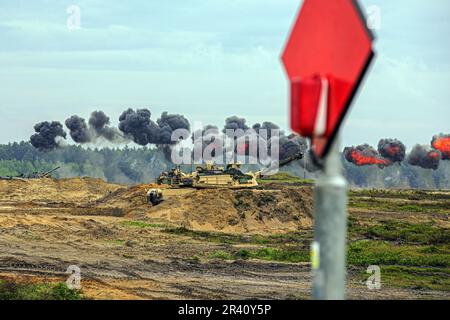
[
  {"x": 330, "y": 229},
  {"x": 326, "y": 56}
]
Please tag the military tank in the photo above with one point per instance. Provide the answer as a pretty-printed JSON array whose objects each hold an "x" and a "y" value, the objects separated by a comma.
[
  {"x": 211, "y": 176},
  {"x": 230, "y": 176},
  {"x": 34, "y": 175},
  {"x": 175, "y": 178}
]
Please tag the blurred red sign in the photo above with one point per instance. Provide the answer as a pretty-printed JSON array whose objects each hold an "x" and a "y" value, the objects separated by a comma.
[{"x": 326, "y": 56}]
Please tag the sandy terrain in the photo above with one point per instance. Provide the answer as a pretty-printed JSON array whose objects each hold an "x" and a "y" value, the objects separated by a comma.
[{"x": 47, "y": 225}]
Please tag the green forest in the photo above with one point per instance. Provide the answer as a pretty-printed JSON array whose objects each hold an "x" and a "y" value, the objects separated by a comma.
[
  {"x": 120, "y": 165},
  {"x": 142, "y": 165}
]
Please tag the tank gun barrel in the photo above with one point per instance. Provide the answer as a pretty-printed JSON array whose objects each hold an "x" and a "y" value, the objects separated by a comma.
[
  {"x": 290, "y": 159},
  {"x": 46, "y": 174},
  {"x": 282, "y": 163}
]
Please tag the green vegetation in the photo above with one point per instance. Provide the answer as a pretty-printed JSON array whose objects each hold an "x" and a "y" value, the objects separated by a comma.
[
  {"x": 44, "y": 291},
  {"x": 399, "y": 194},
  {"x": 209, "y": 236},
  {"x": 419, "y": 278},
  {"x": 193, "y": 259},
  {"x": 141, "y": 164},
  {"x": 141, "y": 224},
  {"x": 284, "y": 177},
  {"x": 373, "y": 252},
  {"x": 125, "y": 165},
  {"x": 393, "y": 230},
  {"x": 412, "y": 277},
  {"x": 269, "y": 254},
  {"x": 227, "y": 238},
  {"x": 360, "y": 253},
  {"x": 272, "y": 254},
  {"x": 222, "y": 255},
  {"x": 411, "y": 255},
  {"x": 392, "y": 206}
]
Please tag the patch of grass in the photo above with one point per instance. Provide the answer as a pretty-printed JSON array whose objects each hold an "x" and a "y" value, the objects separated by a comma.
[
  {"x": 222, "y": 255},
  {"x": 228, "y": 238},
  {"x": 412, "y": 277},
  {"x": 44, "y": 291},
  {"x": 243, "y": 254},
  {"x": 141, "y": 224},
  {"x": 193, "y": 259},
  {"x": 384, "y": 205},
  {"x": 360, "y": 253},
  {"x": 284, "y": 177},
  {"x": 286, "y": 255},
  {"x": 400, "y": 194},
  {"x": 208, "y": 236},
  {"x": 394, "y": 230},
  {"x": 417, "y": 278},
  {"x": 268, "y": 254},
  {"x": 372, "y": 252}
]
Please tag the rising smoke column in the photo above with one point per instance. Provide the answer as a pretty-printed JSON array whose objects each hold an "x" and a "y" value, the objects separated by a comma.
[
  {"x": 235, "y": 123},
  {"x": 168, "y": 123},
  {"x": 365, "y": 155},
  {"x": 202, "y": 138},
  {"x": 267, "y": 125},
  {"x": 98, "y": 127},
  {"x": 292, "y": 145},
  {"x": 441, "y": 142},
  {"x": 235, "y": 127},
  {"x": 424, "y": 157},
  {"x": 392, "y": 149},
  {"x": 47, "y": 135},
  {"x": 99, "y": 123},
  {"x": 138, "y": 126},
  {"x": 79, "y": 131},
  {"x": 288, "y": 145}
]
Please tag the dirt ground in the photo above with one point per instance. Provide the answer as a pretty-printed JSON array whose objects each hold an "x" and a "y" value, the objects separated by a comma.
[{"x": 47, "y": 225}]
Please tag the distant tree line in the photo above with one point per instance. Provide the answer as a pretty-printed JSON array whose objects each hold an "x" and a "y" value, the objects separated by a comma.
[
  {"x": 142, "y": 165},
  {"x": 121, "y": 165}
]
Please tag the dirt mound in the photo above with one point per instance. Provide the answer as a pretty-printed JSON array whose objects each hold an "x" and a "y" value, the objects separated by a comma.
[
  {"x": 74, "y": 190},
  {"x": 251, "y": 211}
]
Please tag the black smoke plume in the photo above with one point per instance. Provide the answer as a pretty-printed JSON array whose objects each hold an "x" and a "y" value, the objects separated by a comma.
[
  {"x": 78, "y": 129},
  {"x": 46, "y": 137},
  {"x": 392, "y": 149},
  {"x": 235, "y": 123},
  {"x": 202, "y": 138},
  {"x": 365, "y": 155},
  {"x": 138, "y": 126},
  {"x": 289, "y": 146},
  {"x": 424, "y": 157},
  {"x": 98, "y": 127},
  {"x": 99, "y": 123},
  {"x": 169, "y": 123}
]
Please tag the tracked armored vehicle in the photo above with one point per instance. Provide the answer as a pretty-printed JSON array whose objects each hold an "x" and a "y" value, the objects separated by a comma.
[
  {"x": 34, "y": 175},
  {"x": 211, "y": 176}
]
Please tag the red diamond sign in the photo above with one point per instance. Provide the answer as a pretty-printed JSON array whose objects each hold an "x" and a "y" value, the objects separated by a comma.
[{"x": 326, "y": 57}]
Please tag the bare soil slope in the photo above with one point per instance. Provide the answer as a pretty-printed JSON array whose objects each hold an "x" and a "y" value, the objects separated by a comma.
[
  {"x": 239, "y": 211},
  {"x": 74, "y": 190}
]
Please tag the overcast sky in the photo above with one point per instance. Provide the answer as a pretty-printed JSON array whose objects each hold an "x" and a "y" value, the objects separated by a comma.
[{"x": 210, "y": 59}]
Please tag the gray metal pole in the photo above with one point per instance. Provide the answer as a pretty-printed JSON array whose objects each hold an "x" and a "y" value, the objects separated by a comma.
[
  {"x": 304, "y": 166},
  {"x": 330, "y": 230}
]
